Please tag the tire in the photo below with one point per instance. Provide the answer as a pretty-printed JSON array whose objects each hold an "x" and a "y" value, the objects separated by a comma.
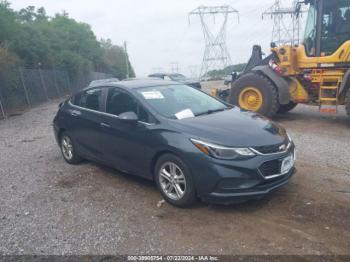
[
  {"x": 347, "y": 103},
  {"x": 67, "y": 144},
  {"x": 286, "y": 108},
  {"x": 269, "y": 104},
  {"x": 167, "y": 180}
]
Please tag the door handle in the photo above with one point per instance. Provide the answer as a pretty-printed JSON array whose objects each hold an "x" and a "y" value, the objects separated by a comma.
[
  {"x": 75, "y": 113},
  {"x": 104, "y": 125}
]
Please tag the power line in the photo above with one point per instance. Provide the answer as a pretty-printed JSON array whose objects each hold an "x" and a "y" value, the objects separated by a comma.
[{"x": 216, "y": 55}]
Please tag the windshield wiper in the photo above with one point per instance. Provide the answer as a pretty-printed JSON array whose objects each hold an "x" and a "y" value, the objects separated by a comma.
[{"x": 211, "y": 111}]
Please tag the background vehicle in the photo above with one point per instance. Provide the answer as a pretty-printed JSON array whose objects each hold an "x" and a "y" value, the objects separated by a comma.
[
  {"x": 230, "y": 78},
  {"x": 104, "y": 81},
  {"x": 178, "y": 78},
  {"x": 317, "y": 72}
]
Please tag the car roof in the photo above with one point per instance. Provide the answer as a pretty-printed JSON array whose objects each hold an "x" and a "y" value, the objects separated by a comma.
[{"x": 136, "y": 83}]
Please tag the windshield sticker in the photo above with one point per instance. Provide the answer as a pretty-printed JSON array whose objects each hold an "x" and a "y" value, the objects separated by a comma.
[
  {"x": 187, "y": 113},
  {"x": 152, "y": 95}
]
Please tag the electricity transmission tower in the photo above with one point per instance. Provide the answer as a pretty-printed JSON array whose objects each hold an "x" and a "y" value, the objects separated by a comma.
[
  {"x": 216, "y": 55},
  {"x": 174, "y": 67},
  {"x": 193, "y": 71},
  {"x": 286, "y": 23}
]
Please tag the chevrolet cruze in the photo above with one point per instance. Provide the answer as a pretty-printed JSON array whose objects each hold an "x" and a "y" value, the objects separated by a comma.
[{"x": 192, "y": 145}]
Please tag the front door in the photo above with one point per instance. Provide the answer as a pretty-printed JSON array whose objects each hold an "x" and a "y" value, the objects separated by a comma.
[{"x": 127, "y": 146}]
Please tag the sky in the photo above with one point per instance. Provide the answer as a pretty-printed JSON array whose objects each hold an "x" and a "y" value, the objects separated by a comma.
[{"x": 159, "y": 32}]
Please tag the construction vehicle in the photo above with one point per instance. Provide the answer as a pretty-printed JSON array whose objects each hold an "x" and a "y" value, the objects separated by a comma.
[{"x": 316, "y": 72}]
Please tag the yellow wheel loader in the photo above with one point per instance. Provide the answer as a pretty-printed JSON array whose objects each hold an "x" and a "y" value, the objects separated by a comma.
[{"x": 316, "y": 72}]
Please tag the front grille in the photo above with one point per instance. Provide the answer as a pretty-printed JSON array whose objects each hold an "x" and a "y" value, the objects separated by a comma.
[
  {"x": 270, "y": 168},
  {"x": 273, "y": 148}
]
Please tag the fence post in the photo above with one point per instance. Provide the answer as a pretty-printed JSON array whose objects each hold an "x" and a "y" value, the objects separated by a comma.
[
  {"x": 24, "y": 87},
  {"x": 56, "y": 85},
  {"x": 2, "y": 108},
  {"x": 68, "y": 83},
  {"x": 43, "y": 84}
]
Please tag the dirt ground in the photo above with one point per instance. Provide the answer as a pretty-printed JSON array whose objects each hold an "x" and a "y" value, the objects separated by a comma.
[{"x": 50, "y": 207}]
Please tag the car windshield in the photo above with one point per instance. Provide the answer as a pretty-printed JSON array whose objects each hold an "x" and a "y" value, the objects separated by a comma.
[
  {"x": 180, "y": 101},
  {"x": 178, "y": 77}
]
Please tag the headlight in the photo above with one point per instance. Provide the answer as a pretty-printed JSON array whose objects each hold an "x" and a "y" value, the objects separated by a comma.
[{"x": 222, "y": 152}]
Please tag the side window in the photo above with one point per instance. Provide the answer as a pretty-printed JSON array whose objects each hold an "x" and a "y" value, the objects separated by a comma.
[
  {"x": 119, "y": 102},
  {"x": 144, "y": 116},
  {"x": 310, "y": 32},
  {"x": 90, "y": 99},
  {"x": 336, "y": 25}
]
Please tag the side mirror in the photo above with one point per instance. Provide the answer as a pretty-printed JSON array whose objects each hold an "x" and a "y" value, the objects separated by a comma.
[{"x": 129, "y": 117}]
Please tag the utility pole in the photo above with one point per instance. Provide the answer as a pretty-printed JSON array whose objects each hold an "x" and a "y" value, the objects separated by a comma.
[
  {"x": 126, "y": 60},
  {"x": 286, "y": 23},
  {"x": 216, "y": 55}
]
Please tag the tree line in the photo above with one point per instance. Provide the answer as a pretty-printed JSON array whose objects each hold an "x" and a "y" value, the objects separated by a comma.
[
  {"x": 226, "y": 71},
  {"x": 32, "y": 39}
]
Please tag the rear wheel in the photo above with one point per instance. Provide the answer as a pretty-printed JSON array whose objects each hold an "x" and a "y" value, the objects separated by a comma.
[
  {"x": 286, "y": 108},
  {"x": 68, "y": 149},
  {"x": 255, "y": 92},
  {"x": 347, "y": 103},
  {"x": 174, "y": 181}
]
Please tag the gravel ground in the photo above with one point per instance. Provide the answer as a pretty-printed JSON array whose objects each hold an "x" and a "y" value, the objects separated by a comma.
[{"x": 50, "y": 207}]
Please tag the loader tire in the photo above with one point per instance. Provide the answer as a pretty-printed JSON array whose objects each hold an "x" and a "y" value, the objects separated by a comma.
[
  {"x": 255, "y": 92},
  {"x": 286, "y": 108},
  {"x": 347, "y": 103}
]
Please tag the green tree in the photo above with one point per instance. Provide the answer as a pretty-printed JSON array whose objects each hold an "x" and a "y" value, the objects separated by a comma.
[
  {"x": 115, "y": 60},
  {"x": 8, "y": 23},
  {"x": 59, "y": 41}
]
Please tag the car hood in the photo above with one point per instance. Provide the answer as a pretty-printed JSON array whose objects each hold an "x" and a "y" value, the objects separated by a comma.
[{"x": 235, "y": 128}]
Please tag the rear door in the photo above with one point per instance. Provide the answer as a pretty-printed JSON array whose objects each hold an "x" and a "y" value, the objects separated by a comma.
[{"x": 87, "y": 114}]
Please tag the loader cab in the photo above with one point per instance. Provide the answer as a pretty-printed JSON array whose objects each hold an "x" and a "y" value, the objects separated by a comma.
[{"x": 327, "y": 26}]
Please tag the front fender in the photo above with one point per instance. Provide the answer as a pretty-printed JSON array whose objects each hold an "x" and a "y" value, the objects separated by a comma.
[{"x": 281, "y": 83}]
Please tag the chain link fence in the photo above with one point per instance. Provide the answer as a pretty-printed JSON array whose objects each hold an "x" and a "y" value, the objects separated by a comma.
[{"x": 25, "y": 88}]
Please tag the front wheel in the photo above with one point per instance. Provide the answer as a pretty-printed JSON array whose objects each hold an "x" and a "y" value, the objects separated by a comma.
[
  {"x": 255, "y": 92},
  {"x": 174, "y": 181}
]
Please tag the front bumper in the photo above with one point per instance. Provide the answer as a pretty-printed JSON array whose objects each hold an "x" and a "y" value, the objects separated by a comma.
[
  {"x": 258, "y": 192},
  {"x": 226, "y": 182}
]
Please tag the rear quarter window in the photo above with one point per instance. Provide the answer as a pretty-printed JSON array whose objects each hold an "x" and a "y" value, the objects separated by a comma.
[{"x": 90, "y": 99}]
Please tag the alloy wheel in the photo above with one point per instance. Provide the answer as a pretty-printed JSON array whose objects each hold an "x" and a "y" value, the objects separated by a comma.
[
  {"x": 67, "y": 148},
  {"x": 172, "y": 181}
]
